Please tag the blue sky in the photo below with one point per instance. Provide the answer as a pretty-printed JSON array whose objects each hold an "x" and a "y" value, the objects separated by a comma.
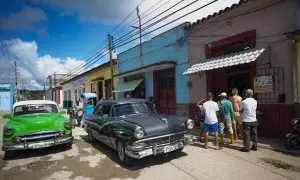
[{"x": 47, "y": 36}]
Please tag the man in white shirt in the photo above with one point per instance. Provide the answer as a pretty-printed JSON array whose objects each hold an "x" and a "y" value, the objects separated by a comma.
[
  {"x": 211, "y": 109},
  {"x": 249, "y": 120}
]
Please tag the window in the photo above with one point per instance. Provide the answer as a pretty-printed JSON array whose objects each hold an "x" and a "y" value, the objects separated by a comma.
[
  {"x": 93, "y": 87},
  {"x": 98, "y": 111}
]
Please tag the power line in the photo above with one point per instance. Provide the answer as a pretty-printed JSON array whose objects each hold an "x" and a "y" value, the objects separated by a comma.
[
  {"x": 136, "y": 19},
  {"x": 119, "y": 39},
  {"x": 97, "y": 54},
  {"x": 120, "y": 45}
]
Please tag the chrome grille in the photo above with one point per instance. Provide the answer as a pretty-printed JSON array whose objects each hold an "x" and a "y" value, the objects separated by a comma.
[
  {"x": 39, "y": 136},
  {"x": 165, "y": 140}
]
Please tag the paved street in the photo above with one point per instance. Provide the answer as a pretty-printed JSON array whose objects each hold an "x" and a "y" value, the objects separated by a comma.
[{"x": 96, "y": 161}]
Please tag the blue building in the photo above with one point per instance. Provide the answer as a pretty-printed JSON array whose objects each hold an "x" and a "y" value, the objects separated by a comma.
[
  {"x": 159, "y": 74},
  {"x": 6, "y": 97}
]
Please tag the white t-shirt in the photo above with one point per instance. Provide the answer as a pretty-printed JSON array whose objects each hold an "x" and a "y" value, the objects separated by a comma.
[
  {"x": 210, "y": 109},
  {"x": 249, "y": 106}
]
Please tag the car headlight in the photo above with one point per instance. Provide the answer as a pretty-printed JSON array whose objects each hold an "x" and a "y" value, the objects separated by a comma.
[
  {"x": 68, "y": 125},
  {"x": 138, "y": 132},
  {"x": 17, "y": 139},
  {"x": 190, "y": 124},
  {"x": 8, "y": 131}
]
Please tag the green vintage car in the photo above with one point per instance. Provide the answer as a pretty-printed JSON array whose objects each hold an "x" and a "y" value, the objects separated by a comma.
[{"x": 35, "y": 124}]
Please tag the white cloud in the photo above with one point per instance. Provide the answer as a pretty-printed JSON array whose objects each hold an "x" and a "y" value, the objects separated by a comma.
[
  {"x": 31, "y": 66},
  {"x": 93, "y": 10},
  {"x": 29, "y": 19}
]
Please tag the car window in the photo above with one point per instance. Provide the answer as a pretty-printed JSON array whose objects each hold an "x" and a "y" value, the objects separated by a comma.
[
  {"x": 106, "y": 109},
  {"x": 35, "y": 108},
  {"x": 98, "y": 111}
]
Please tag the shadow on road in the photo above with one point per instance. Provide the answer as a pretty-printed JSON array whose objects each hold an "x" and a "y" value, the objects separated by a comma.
[
  {"x": 136, "y": 164},
  {"x": 24, "y": 154}
]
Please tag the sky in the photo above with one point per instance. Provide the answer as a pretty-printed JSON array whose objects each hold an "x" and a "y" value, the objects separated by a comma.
[{"x": 47, "y": 36}]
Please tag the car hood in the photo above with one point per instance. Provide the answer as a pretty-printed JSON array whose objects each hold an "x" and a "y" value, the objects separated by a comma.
[
  {"x": 36, "y": 122},
  {"x": 156, "y": 124}
]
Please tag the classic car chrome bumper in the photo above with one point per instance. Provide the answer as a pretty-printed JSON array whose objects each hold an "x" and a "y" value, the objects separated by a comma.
[
  {"x": 10, "y": 146},
  {"x": 140, "y": 149}
]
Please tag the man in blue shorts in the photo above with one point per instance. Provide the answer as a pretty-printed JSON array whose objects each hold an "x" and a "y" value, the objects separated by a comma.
[{"x": 211, "y": 109}]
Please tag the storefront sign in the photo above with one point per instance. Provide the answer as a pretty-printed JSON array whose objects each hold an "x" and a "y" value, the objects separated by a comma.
[
  {"x": 79, "y": 82},
  {"x": 263, "y": 84}
]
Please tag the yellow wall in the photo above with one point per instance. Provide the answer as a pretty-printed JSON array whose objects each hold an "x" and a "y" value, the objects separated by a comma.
[{"x": 106, "y": 74}]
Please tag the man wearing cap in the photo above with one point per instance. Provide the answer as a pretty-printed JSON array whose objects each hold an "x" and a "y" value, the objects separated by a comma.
[{"x": 225, "y": 120}]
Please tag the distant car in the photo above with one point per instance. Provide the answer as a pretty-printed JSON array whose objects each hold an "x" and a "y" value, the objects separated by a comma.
[
  {"x": 134, "y": 129},
  {"x": 35, "y": 124}
]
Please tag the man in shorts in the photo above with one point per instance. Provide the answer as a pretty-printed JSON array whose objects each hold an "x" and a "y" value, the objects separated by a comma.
[
  {"x": 236, "y": 101},
  {"x": 225, "y": 120},
  {"x": 211, "y": 109}
]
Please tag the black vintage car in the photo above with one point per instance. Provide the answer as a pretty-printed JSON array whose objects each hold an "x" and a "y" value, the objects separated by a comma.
[{"x": 134, "y": 129}]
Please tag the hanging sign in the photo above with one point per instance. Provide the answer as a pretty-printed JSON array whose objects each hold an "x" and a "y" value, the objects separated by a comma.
[{"x": 263, "y": 84}]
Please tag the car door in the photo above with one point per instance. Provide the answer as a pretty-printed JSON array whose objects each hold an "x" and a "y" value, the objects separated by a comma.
[
  {"x": 95, "y": 121},
  {"x": 104, "y": 124}
]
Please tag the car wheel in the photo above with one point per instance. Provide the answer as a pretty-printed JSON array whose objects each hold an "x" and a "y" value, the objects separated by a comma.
[
  {"x": 9, "y": 154},
  {"x": 90, "y": 135},
  {"x": 123, "y": 157}
]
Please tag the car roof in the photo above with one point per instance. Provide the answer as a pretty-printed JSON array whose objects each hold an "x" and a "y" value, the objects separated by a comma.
[{"x": 22, "y": 103}]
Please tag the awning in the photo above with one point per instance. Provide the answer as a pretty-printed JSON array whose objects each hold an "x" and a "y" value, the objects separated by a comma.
[
  {"x": 226, "y": 61},
  {"x": 88, "y": 95},
  {"x": 127, "y": 86},
  {"x": 152, "y": 67}
]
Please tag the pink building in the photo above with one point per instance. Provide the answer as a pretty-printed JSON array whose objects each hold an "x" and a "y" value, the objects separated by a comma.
[{"x": 245, "y": 46}]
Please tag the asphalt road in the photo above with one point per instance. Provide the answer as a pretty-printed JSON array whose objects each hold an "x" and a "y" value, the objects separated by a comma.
[{"x": 85, "y": 161}]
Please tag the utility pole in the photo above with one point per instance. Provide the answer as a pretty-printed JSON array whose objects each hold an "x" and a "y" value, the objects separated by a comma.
[
  {"x": 16, "y": 83},
  {"x": 140, "y": 29},
  {"x": 111, "y": 62}
]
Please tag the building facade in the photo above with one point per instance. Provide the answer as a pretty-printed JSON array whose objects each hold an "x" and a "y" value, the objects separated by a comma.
[
  {"x": 99, "y": 80},
  {"x": 245, "y": 46},
  {"x": 6, "y": 97},
  {"x": 72, "y": 89},
  {"x": 55, "y": 92},
  {"x": 158, "y": 73},
  {"x": 96, "y": 80}
]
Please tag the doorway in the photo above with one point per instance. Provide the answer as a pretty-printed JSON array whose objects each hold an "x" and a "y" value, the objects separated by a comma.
[
  {"x": 239, "y": 81},
  {"x": 164, "y": 91},
  {"x": 100, "y": 89}
]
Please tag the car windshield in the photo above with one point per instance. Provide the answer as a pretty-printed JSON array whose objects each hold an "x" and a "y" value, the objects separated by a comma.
[
  {"x": 133, "y": 108},
  {"x": 35, "y": 108}
]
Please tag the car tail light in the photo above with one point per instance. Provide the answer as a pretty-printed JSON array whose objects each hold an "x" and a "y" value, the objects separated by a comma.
[
  {"x": 68, "y": 125},
  {"x": 8, "y": 131}
]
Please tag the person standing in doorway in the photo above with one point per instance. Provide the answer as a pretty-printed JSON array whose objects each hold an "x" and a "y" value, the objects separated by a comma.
[
  {"x": 211, "y": 121},
  {"x": 225, "y": 118},
  {"x": 236, "y": 101},
  {"x": 249, "y": 106}
]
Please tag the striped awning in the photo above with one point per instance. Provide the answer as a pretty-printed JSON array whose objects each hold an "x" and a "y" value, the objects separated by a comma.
[{"x": 226, "y": 61}]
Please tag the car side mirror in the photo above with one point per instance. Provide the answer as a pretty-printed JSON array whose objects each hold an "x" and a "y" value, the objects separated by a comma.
[
  {"x": 7, "y": 116},
  {"x": 62, "y": 112}
]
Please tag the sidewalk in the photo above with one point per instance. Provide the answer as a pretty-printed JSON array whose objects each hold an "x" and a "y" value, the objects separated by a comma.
[{"x": 275, "y": 144}]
